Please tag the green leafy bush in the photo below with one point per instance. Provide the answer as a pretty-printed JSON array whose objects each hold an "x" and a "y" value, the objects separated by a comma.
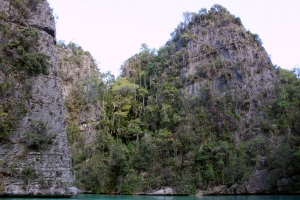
[
  {"x": 24, "y": 50},
  {"x": 28, "y": 173},
  {"x": 38, "y": 138},
  {"x": 10, "y": 113}
]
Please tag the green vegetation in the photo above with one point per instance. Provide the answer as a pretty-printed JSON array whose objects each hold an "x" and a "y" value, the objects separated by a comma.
[
  {"x": 22, "y": 50},
  {"x": 283, "y": 121},
  {"x": 161, "y": 138},
  {"x": 152, "y": 133},
  {"x": 10, "y": 113},
  {"x": 28, "y": 173},
  {"x": 37, "y": 137}
]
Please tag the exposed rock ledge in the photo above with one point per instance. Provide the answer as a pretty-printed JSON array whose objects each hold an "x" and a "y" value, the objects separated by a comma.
[
  {"x": 57, "y": 192},
  {"x": 165, "y": 191}
]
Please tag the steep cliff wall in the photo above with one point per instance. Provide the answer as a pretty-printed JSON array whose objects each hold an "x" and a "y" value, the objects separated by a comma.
[
  {"x": 80, "y": 86},
  {"x": 35, "y": 156}
]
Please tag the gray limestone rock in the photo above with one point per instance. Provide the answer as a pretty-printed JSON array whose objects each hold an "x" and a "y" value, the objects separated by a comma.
[
  {"x": 164, "y": 191},
  {"x": 258, "y": 182},
  {"x": 35, "y": 159}
]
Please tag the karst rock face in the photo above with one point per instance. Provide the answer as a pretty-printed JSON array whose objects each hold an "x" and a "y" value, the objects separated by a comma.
[
  {"x": 219, "y": 53},
  {"x": 35, "y": 157},
  {"x": 221, "y": 58}
]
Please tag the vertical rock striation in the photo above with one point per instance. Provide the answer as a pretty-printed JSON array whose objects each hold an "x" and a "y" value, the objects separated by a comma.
[{"x": 35, "y": 157}]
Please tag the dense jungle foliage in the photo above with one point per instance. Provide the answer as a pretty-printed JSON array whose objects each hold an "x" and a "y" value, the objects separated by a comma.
[{"x": 152, "y": 133}]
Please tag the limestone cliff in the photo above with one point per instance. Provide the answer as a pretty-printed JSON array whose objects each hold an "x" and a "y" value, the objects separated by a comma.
[
  {"x": 35, "y": 157},
  {"x": 80, "y": 82},
  {"x": 221, "y": 58}
]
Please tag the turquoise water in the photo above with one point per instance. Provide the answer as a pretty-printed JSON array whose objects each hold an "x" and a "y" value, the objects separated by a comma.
[{"x": 138, "y": 197}]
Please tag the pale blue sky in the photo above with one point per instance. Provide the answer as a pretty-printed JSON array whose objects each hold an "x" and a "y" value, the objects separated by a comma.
[{"x": 113, "y": 30}]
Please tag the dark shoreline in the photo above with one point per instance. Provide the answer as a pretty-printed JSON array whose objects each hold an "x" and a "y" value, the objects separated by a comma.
[
  {"x": 167, "y": 195},
  {"x": 141, "y": 194},
  {"x": 35, "y": 196}
]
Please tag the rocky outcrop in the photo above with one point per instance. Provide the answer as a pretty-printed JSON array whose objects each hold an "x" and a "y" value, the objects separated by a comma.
[
  {"x": 165, "y": 191},
  {"x": 80, "y": 90},
  {"x": 212, "y": 191},
  {"x": 35, "y": 156},
  {"x": 76, "y": 67},
  {"x": 223, "y": 57}
]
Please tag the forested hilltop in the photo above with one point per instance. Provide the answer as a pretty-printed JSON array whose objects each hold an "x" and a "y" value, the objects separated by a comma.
[{"x": 207, "y": 113}]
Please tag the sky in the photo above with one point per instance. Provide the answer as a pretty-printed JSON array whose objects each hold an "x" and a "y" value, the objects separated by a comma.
[{"x": 113, "y": 30}]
